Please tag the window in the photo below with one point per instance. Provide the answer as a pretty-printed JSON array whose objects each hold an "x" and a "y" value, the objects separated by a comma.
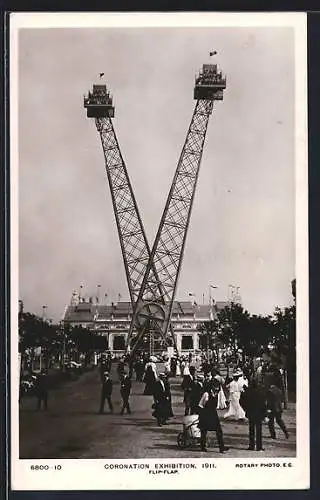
[
  {"x": 118, "y": 343},
  {"x": 186, "y": 342}
]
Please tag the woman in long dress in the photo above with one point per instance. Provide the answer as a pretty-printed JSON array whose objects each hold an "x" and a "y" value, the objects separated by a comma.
[
  {"x": 178, "y": 369},
  {"x": 222, "y": 402},
  {"x": 150, "y": 379},
  {"x": 235, "y": 411}
]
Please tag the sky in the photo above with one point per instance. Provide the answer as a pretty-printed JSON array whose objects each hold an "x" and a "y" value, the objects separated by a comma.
[{"x": 242, "y": 228}]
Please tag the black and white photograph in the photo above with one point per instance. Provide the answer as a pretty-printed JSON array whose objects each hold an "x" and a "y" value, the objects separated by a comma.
[{"x": 159, "y": 238}]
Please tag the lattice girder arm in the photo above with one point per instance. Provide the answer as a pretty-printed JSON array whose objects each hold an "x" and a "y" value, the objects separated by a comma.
[
  {"x": 133, "y": 242},
  {"x": 167, "y": 252},
  {"x": 134, "y": 245}
]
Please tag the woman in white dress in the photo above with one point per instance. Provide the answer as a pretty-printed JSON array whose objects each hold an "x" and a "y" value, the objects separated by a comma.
[
  {"x": 222, "y": 402},
  {"x": 235, "y": 411},
  {"x": 178, "y": 369}
]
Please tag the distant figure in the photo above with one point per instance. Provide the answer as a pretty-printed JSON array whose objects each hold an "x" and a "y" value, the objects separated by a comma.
[
  {"x": 42, "y": 390},
  {"x": 121, "y": 368},
  {"x": 108, "y": 363},
  {"x": 106, "y": 391},
  {"x": 253, "y": 400},
  {"x": 242, "y": 381},
  {"x": 139, "y": 369},
  {"x": 150, "y": 379},
  {"x": 125, "y": 389},
  {"x": 167, "y": 368},
  {"x": 187, "y": 389},
  {"x": 274, "y": 409},
  {"x": 173, "y": 366}
]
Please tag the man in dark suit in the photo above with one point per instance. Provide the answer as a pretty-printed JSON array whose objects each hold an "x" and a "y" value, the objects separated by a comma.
[
  {"x": 208, "y": 416},
  {"x": 274, "y": 406},
  {"x": 162, "y": 400},
  {"x": 125, "y": 389},
  {"x": 196, "y": 393},
  {"x": 253, "y": 401},
  {"x": 106, "y": 391},
  {"x": 42, "y": 390}
]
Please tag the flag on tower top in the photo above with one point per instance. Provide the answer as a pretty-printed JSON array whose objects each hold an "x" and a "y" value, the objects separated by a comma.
[
  {"x": 213, "y": 53},
  {"x": 101, "y": 75}
]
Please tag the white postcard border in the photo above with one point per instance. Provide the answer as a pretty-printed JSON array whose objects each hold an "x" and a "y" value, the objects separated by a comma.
[{"x": 226, "y": 473}]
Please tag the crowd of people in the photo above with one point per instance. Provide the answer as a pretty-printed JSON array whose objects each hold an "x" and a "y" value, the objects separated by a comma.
[{"x": 250, "y": 394}]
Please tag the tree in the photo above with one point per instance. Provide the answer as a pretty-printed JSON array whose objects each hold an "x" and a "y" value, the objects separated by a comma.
[
  {"x": 284, "y": 340},
  {"x": 260, "y": 334},
  {"x": 86, "y": 341},
  {"x": 209, "y": 335},
  {"x": 35, "y": 332},
  {"x": 234, "y": 328}
]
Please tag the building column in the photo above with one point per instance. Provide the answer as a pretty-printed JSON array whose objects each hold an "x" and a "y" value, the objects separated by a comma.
[
  {"x": 178, "y": 341},
  {"x": 195, "y": 338},
  {"x": 110, "y": 342}
]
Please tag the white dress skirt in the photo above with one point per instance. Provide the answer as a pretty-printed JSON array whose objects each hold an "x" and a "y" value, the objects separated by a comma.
[
  {"x": 235, "y": 410},
  {"x": 222, "y": 402}
]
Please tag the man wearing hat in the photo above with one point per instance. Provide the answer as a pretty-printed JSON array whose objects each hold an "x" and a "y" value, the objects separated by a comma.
[
  {"x": 196, "y": 392},
  {"x": 253, "y": 399},
  {"x": 162, "y": 400},
  {"x": 106, "y": 391},
  {"x": 186, "y": 385},
  {"x": 42, "y": 389},
  {"x": 208, "y": 416},
  {"x": 125, "y": 389}
]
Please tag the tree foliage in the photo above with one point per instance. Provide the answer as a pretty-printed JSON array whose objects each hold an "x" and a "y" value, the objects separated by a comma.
[{"x": 35, "y": 332}]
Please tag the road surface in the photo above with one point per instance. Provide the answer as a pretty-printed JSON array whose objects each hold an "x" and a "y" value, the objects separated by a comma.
[{"x": 73, "y": 428}]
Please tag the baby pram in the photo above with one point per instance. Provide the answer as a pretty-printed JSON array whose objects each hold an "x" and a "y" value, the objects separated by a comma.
[{"x": 190, "y": 434}]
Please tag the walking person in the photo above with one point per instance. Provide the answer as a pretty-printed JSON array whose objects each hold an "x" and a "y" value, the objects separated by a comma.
[
  {"x": 196, "y": 392},
  {"x": 108, "y": 362},
  {"x": 125, "y": 389},
  {"x": 139, "y": 369},
  {"x": 208, "y": 416},
  {"x": 187, "y": 388},
  {"x": 173, "y": 366},
  {"x": 235, "y": 410},
  {"x": 162, "y": 400},
  {"x": 253, "y": 400},
  {"x": 150, "y": 378},
  {"x": 274, "y": 411},
  {"x": 106, "y": 391},
  {"x": 222, "y": 402},
  {"x": 42, "y": 390},
  {"x": 121, "y": 368}
]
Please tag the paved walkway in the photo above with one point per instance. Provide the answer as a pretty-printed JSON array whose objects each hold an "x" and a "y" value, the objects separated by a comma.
[{"x": 72, "y": 427}]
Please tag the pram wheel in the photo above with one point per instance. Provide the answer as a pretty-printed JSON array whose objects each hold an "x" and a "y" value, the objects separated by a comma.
[{"x": 181, "y": 440}]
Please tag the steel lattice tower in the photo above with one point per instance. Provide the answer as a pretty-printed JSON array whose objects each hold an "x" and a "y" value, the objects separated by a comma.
[
  {"x": 154, "y": 305},
  {"x": 134, "y": 244},
  {"x": 153, "y": 276}
]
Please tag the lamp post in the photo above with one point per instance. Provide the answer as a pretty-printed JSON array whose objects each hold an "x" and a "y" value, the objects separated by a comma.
[
  {"x": 98, "y": 294},
  {"x": 210, "y": 299},
  {"x": 44, "y": 312}
]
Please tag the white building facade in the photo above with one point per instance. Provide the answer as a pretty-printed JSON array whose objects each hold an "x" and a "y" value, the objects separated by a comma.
[{"x": 113, "y": 321}]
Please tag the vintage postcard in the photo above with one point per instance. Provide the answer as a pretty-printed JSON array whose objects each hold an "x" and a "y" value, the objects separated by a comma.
[{"x": 159, "y": 251}]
